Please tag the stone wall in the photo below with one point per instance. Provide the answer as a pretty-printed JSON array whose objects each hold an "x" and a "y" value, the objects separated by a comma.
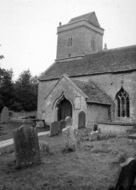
[
  {"x": 43, "y": 90},
  {"x": 97, "y": 113},
  {"x": 109, "y": 83},
  {"x": 47, "y": 106},
  {"x": 114, "y": 129}
]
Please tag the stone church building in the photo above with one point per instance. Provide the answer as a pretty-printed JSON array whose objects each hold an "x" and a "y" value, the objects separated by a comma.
[{"x": 86, "y": 80}]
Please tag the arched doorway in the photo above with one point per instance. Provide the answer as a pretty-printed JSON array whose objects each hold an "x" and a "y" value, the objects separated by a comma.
[{"x": 64, "y": 109}]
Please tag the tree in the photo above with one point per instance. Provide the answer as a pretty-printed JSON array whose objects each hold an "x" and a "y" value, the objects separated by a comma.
[
  {"x": 26, "y": 92},
  {"x": 6, "y": 88},
  {"x": 18, "y": 95}
]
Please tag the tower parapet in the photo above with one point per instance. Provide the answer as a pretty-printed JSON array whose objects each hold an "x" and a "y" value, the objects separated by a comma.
[{"x": 82, "y": 35}]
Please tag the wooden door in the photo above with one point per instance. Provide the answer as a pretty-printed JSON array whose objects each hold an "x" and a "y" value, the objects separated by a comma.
[{"x": 64, "y": 109}]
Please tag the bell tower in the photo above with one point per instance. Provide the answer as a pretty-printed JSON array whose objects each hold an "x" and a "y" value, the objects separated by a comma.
[{"x": 82, "y": 35}]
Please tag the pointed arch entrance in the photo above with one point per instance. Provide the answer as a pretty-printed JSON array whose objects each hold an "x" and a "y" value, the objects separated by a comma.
[{"x": 64, "y": 109}]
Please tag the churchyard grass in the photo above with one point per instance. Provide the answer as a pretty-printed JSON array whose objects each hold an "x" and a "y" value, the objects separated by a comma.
[{"x": 94, "y": 165}]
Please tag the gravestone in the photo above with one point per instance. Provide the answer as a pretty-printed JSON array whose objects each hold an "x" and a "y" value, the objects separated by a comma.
[
  {"x": 5, "y": 115},
  {"x": 127, "y": 175},
  {"x": 26, "y": 145},
  {"x": 68, "y": 121},
  {"x": 69, "y": 135},
  {"x": 55, "y": 128},
  {"x": 81, "y": 120}
]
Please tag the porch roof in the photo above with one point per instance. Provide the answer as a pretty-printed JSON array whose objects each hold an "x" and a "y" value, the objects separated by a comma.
[{"x": 93, "y": 92}]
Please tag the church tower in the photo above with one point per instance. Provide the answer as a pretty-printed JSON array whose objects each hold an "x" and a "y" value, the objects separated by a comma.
[{"x": 82, "y": 35}]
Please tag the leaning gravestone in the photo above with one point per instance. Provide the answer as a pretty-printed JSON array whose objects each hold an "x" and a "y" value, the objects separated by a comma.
[
  {"x": 81, "y": 120},
  {"x": 5, "y": 115},
  {"x": 26, "y": 144}
]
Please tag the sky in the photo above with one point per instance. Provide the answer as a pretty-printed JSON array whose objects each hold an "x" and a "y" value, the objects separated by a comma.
[{"x": 28, "y": 29}]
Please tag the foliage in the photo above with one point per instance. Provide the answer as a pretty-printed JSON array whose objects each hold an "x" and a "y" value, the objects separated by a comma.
[
  {"x": 6, "y": 88},
  {"x": 18, "y": 95}
]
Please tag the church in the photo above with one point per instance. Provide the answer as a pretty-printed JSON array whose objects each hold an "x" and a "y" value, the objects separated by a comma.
[{"x": 90, "y": 83}]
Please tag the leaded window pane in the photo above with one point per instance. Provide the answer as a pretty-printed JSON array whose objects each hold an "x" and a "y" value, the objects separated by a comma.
[{"x": 122, "y": 98}]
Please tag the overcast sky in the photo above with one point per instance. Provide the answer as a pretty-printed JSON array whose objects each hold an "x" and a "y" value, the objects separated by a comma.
[{"x": 28, "y": 28}]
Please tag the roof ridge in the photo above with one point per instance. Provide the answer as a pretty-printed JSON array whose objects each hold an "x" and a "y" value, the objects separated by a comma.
[
  {"x": 89, "y": 17},
  {"x": 112, "y": 49},
  {"x": 120, "y": 48},
  {"x": 81, "y": 16},
  {"x": 115, "y": 60}
]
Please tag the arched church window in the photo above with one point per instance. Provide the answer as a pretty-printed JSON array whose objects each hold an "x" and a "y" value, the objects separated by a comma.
[{"x": 123, "y": 107}]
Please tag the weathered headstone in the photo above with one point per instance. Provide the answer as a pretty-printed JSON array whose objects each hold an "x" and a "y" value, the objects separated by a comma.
[
  {"x": 68, "y": 121},
  {"x": 127, "y": 175},
  {"x": 55, "y": 128},
  {"x": 5, "y": 115},
  {"x": 81, "y": 120},
  {"x": 26, "y": 144},
  {"x": 69, "y": 135}
]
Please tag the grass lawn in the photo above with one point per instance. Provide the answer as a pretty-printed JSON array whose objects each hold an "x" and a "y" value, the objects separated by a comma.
[{"x": 93, "y": 166}]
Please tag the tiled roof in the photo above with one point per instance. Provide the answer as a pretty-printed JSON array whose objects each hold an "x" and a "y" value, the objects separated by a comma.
[
  {"x": 93, "y": 92},
  {"x": 109, "y": 61},
  {"x": 90, "y": 17}
]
